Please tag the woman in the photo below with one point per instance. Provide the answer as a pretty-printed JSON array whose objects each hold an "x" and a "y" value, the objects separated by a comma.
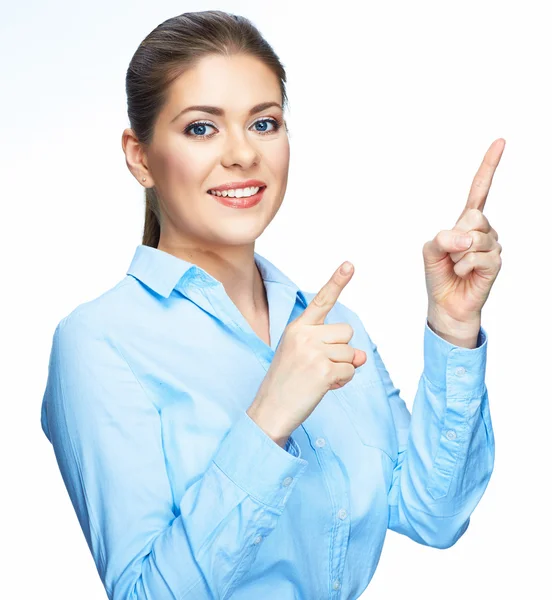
[{"x": 222, "y": 433}]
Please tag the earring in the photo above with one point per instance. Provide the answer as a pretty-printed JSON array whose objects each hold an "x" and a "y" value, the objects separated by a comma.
[{"x": 143, "y": 179}]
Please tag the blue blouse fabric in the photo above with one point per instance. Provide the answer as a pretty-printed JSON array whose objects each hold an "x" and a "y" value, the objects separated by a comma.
[{"x": 181, "y": 495}]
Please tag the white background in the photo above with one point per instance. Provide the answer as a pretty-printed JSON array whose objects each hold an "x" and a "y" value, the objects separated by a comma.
[{"x": 392, "y": 107}]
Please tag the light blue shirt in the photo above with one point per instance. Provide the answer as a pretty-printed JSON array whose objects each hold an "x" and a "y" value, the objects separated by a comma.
[{"x": 180, "y": 494}]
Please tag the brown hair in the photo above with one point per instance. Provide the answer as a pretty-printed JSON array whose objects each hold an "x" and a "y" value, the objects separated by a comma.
[{"x": 173, "y": 47}]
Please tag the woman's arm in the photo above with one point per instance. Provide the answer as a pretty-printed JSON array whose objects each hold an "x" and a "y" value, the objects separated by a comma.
[
  {"x": 106, "y": 434},
  {"x": 446, "y": 447}
]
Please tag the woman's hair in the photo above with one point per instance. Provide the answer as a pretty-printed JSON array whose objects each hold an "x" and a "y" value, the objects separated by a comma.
[{"x": 172, "y": 48}]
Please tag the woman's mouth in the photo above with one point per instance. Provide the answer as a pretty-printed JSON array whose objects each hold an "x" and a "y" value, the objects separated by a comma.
[{"x": 246, "y": 201}]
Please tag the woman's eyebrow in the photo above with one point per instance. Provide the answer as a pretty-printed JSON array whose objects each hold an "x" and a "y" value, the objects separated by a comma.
[{"x": 215, "y": 110}]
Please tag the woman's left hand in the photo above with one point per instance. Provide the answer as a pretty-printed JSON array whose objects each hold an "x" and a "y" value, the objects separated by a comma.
[{"x": 459, "y": 280}]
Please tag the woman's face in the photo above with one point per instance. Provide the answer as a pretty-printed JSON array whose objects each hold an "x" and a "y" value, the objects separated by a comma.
[{"x": 187, "y": 158}]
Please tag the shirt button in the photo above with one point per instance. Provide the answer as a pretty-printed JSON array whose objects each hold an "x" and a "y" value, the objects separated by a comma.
[
  {"x": 321, "y": 442},
  {"x": 460, "y": 371},
  {"x": 336, "y": 584},
  {"x": 287, "y": 481},
  {"x": 258, "y": 539},
  {"x": 451, "y": 434},
  {"x": 342, "y": 514}
]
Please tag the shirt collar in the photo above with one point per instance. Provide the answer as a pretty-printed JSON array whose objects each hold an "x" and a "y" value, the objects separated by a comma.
[{"x": 161, "y": 271}]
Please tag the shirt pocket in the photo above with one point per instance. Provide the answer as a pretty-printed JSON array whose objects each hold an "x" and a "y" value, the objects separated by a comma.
[{"x": 367, "y": 407}]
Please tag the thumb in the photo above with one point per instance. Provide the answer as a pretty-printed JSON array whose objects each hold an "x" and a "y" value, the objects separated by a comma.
[
  {"x": 359, "y": 358},
  {"x": 446, "y": 242}
]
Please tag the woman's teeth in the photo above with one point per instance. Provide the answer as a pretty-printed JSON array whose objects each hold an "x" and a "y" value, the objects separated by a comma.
[{"x": 239, "y": 193}]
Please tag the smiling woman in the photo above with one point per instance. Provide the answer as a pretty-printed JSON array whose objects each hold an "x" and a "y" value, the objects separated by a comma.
[
  {"x": 236, "y": 71},
  {"x": 203, "y": 411}
]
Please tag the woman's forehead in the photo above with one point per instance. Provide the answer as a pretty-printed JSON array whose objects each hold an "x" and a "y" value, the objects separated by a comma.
[{"x": 234, "y": 83}]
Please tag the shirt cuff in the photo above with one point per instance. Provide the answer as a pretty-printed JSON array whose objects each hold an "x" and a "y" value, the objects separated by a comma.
[
  {"x": 257, "y": 464},
  {"x": 460, "y": 371}
]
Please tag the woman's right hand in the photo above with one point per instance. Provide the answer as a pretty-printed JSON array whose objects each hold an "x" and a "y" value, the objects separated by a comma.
[{"x": 311, "y": 359}]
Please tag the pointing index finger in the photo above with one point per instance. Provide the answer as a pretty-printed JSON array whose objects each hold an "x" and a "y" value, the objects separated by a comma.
[
  {"x": 484, "y": 176},
  {"x": 324, "y": 301}
]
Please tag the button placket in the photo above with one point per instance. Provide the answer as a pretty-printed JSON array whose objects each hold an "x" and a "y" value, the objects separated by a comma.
[{"x": 334, "y": 480}]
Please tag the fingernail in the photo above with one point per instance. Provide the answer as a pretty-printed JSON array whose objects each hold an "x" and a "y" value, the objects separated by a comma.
[
  {"x": 463, "y": 241},
  {"x": 346, "y": 268}
]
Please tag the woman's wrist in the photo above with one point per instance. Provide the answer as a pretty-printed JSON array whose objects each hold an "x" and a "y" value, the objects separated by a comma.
[{"x": 266, "y": 422}]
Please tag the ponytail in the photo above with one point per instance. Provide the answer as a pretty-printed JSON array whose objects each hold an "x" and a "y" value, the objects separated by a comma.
[{"x": 152, "y": 229}]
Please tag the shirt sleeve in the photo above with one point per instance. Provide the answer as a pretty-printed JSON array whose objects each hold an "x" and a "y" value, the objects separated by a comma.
[
  {"x": 107, "y": 438},
  {"x": 446, "y": 447}
]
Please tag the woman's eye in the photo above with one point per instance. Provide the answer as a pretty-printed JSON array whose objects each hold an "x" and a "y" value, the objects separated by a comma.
[
  {"x": 197, "y": 129},
  {"x": 264, "y": 123}
]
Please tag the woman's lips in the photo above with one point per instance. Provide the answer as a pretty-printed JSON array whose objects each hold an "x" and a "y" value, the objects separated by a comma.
[{"x": 240, "y": 202}]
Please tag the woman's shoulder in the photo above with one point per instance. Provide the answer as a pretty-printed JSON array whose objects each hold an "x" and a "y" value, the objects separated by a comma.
[{"x": 101, "y": 313}]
